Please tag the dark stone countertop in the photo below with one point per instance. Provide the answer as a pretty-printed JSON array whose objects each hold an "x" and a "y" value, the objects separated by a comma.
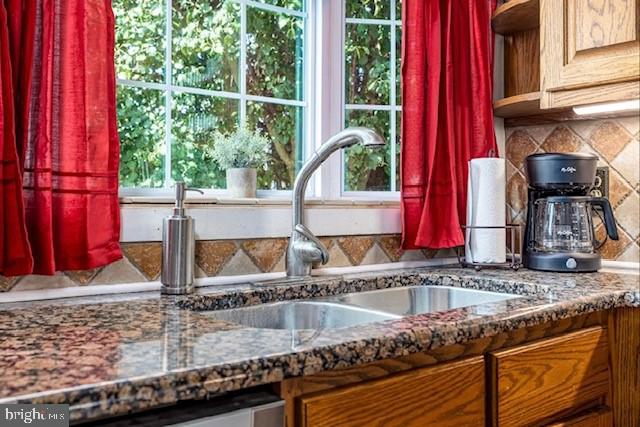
[{"x": 112, "y": 355}]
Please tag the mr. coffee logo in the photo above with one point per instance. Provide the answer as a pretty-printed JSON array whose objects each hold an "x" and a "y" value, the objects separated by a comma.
[{"x": 568, "y": 169}]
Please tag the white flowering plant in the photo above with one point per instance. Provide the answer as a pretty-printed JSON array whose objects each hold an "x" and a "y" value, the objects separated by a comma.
[{"x": 241, "y": 149}]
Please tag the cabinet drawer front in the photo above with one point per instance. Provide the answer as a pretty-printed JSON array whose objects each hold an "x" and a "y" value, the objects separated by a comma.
[
  {"x": 449, "y": 395},
  {"x": 601, "y": 418},
  {"x": 548, "y": 378}
]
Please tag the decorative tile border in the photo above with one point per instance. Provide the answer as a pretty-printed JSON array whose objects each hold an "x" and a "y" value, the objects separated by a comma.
[
  {"x": 615, "y": 141},
  {"x": 142, "y": 261}
]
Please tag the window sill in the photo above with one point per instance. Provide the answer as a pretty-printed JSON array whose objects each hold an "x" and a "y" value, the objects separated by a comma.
[
  {"x": 206, "y": 200},
  {"x": 224, "y": 219}
]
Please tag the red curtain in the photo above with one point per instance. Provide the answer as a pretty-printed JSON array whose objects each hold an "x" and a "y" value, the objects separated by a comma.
[
  {"x": 447, "y": 114},
  {"x": 60, "y": 59}
]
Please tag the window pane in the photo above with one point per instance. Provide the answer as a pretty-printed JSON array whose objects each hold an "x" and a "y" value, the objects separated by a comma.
[
  {"x": 141, "y": 128},
  {"x": 289, "y": 4},
  {"x": 140, "y": 41},
  {"x": 367, "y": 57},
  {"x": 283, "y": 125},
  {"x": 196, "y": 118},
  {"x": 377, "y": 9},
  {"x": 206, "y": 44},
  {"x": 274, "y": 54},
  {"x": 368, "y": 169},
  {"x": 398, "y": 9}
]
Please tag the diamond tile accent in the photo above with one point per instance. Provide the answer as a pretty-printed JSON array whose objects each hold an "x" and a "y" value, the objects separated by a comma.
[
  {"x": 517, "y": 192},
  {"x": 211, "y": 256},
  {"x": 627, "y": 162},
  {"x": 392, "y": 246},
  {"x": 375, "y": 255},
  {"x": 35, "y": 281},
  {"x": 265, "y": 253},
  {"x": 609, "y": 138},
  {"x": 239, "y": 264},
  {"x": 561, "y": 140},
  {"x": 612, "y": 249},
  {"x": 519, "y": 146},
  {"x": 82, "y": 277},
  {"x": 355, "y": 247},
  {"x": 337, "y": 258},
  {"x": 627, "y": 215},
  {"x": 146, "y": 257},
  {"x": 618, "y": 189},
  {"x": 631, "y": 254},
  {"x": 118, "y": 272},
  {"x": 6, "y": 283}
]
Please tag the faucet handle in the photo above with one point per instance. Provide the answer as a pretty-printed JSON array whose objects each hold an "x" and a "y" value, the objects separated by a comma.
[{"x": 324, "y": 253}]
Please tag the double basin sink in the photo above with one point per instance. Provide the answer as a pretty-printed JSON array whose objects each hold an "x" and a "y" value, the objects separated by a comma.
[{"x": 357, "y": 308}]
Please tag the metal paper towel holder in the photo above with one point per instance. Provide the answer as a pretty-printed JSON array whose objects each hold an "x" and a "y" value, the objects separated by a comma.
[{"x": 513, "y": 261}]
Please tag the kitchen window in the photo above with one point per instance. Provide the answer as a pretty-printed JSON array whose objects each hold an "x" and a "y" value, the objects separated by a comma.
[{"x": 188, "y": 69}]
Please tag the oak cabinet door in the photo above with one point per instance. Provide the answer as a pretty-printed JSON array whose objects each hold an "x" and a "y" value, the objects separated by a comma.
[
  {"x": 549, "y": 379},
  {"x": 599, "y": 418},
  {"x": 448, "y": 395},
  {"x": 589, "y": 51}
]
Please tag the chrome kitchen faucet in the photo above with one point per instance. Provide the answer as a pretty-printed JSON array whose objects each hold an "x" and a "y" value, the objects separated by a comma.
[{"x": 304, "y": 248}]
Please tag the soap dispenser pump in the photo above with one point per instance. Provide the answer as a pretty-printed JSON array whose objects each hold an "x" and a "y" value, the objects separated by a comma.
[{"x": 178, "y": 247}]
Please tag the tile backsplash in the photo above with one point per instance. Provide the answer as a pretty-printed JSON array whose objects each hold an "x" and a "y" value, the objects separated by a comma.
[
  {"x": 615, "y": 142},
  {"x": 141, "y": 262}
]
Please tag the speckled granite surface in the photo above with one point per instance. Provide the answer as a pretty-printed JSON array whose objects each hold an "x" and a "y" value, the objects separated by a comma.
[{"x": 111, "y": 355}]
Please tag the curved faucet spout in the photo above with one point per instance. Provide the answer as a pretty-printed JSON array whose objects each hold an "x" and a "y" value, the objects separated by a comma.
[
  {"x": 300, "y": 253},
  {"x": 344, "y": 139}
]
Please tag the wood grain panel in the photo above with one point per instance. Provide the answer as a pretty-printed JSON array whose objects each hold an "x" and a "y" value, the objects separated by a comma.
[
  {"x": 522, "y": 63},
  {"x": 548, "y": 378},
  {"x": 448, "y": 395},
  {"x": 599, "y": 418},
  {"x": 579, "y": 66},
  {"x": 516, "y": 15},
  {"x": 600, "y": 23},
  {"x": 624, "y": 334}
]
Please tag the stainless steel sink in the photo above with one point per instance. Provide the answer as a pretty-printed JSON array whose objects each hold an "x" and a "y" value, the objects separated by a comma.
[
  {"x": 405, "y": 301},
  {"x": 297, "y": 315},
  {"x": 356, "y": 308}
]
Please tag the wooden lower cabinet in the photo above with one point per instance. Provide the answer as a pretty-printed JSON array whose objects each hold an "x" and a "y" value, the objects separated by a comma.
[
  {"x": 549, "y": 379},
  {"x": 448, "y": 395},
  {"x": 576, "y": 372},
  {"x": 602, "y": 417}
]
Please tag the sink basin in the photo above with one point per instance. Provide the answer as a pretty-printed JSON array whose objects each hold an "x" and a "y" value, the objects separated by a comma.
[
  {"x": 296, "y": 315},
  {"x": 410, "y": 300},
  {"x": 356, "y": 308}
]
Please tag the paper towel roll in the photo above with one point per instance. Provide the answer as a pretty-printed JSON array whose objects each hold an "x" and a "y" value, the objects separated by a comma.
[{"x": 486, "y": 207}]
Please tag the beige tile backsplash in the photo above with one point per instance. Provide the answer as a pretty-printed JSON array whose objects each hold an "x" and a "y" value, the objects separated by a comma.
[{"x": 614, "y": 141}]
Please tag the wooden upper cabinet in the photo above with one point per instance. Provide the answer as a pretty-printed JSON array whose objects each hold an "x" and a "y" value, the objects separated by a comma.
[{"x": 590, "y": 51}]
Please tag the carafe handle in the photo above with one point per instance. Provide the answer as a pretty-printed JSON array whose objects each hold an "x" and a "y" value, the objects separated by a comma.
[{"x": 609, "y": 219}]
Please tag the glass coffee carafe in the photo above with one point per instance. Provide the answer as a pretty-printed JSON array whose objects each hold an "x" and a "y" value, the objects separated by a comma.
[{"x": 565, "y": 223}]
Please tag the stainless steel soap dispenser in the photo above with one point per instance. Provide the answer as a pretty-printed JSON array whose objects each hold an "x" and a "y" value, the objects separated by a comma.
[{"x": 178, "y": 247}]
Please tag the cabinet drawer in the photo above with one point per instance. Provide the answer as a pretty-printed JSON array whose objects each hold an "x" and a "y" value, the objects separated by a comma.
[
  {"x": 448, "y": 395},
  {"x": 599, "y": 418},
  {"x": 548, "y": 378}
]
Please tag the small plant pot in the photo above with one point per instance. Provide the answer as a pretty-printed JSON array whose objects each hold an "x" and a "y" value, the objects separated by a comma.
[{"x": 241, "y": 183}]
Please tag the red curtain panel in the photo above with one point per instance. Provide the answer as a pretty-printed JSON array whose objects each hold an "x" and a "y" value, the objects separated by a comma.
[
  {"x": 67, "y": 139},
  {"x": 15, "y": 255},
  {"x": 447, "y": 114}
]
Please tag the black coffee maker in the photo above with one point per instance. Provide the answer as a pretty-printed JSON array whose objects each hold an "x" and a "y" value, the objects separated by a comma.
[{"x": 559, "y": 234}]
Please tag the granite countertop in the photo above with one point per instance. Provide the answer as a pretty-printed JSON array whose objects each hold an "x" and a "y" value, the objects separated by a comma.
[{"x": 112, "y": 355}]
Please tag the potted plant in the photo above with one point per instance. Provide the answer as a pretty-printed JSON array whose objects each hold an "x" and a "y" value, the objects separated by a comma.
[{"x": 240, "y": 153}]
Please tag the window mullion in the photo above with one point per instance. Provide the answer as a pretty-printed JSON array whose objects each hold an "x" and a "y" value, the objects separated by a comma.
[
  {"x": 330, "y": 91},
  {"x": 243, "y": 63},
  {"x": 392, "y": 96},
  {"x": 168, "y": 124}
]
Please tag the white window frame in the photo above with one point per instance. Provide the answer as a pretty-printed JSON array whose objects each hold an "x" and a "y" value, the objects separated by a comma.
[
  {"x": 323, "y": 102},
  {"x": 168, "y": 88}
]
